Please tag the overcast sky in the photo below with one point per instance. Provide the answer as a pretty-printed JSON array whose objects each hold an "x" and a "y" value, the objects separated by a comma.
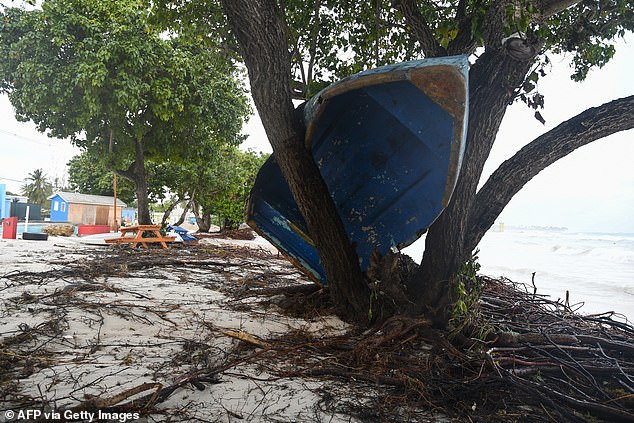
[{"x": 590, "y": 190}]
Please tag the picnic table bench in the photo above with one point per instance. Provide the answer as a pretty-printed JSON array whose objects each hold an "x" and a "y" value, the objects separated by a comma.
[{"x": 134, "y": 235}]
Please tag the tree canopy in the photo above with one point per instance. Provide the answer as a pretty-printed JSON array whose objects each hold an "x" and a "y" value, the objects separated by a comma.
[
  {"x": 101, "y": 74},
  {"x": 88, "y": 175},
  {"x": 217, "y": 187},
  {"x": 235, "y": 177},
  {"x": 329, "y": 40},
  {"x": 37, "y": 187}
]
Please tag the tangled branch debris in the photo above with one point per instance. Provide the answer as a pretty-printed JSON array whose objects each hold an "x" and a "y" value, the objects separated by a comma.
[{"x": 242, "y": 333}]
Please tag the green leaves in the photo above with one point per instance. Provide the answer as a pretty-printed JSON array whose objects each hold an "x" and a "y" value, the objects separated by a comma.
[
  {"x": 587, "y": 31},
  {"x": 220, "y": 183},
  {"x": 37, "y": 187},
  {"x": 85, "y": 70},
  {"x": 334, "y": 39},
  {"x": 447, "y": 31},
  {"x": 465, "y": 314},
  {"x": 133, "y": 98},
  {"x": 88, "y": 173}
]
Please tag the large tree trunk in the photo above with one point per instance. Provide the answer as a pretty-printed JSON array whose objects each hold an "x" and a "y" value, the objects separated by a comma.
[
  {"x": 137, "y": 174},
  {"x": 492, "y": 83},
  {"x": 141, "y": 186},
  {"x": 264, "y": 43}
]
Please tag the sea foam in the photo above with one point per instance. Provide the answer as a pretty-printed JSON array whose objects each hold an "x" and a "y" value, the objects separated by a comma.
[{"x": 596, "y": 269}]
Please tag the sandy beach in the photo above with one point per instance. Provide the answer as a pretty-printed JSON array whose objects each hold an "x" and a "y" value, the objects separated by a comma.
[
  {"x": 68, "y": 337},
  {"x": 229, "y": 331}
]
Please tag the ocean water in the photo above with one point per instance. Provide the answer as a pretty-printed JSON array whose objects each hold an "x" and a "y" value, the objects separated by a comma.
[{"x": 597, "y": 269}]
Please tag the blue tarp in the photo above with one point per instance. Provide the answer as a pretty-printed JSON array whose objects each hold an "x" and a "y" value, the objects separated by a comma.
[{"x": 182, "y": 232}]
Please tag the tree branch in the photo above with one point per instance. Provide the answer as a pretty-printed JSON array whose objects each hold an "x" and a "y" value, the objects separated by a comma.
[
  {"x": 188, "y": 206},
  {"x": 464, "y": 43},
  {"x": 127, "y": 173},
  {"x": 420, "y": 27},
  {"x": 588, "y": 126},
  {"x": 549, "y": 8},
  {"x": 313, "y": 43},
  {"x": 169, "y": 210}
]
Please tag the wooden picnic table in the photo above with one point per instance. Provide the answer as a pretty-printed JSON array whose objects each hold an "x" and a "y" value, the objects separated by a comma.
[{"x": 135, "y": 235}]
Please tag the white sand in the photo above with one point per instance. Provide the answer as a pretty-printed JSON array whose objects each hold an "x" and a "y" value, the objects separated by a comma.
[{"x": 151, "y": 325}]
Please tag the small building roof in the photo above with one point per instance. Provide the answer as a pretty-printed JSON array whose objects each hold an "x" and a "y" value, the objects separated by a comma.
[{"x": 76, "y": 198}]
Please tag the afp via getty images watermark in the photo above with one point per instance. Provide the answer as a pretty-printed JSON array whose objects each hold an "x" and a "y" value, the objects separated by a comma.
[{"x": 67, "y": 415}]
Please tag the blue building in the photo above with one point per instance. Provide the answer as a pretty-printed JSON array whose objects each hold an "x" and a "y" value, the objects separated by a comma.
[
  {"x": 84, "y": 209},
  {"x": 9, "y": 205},
  {"x": 4, "y": 210}
]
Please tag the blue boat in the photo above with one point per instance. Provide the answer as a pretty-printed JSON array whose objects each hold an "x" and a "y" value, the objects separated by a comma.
[{"x": 389, "y": 144}]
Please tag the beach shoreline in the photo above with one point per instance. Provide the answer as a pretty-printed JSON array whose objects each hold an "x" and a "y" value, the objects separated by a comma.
[
  {"x": 594, "y": 270},
  {"x": 225, "y": 331}
]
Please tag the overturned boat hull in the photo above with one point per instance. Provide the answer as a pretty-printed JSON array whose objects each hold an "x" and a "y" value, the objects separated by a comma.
[{"x": 389, "y": 144}]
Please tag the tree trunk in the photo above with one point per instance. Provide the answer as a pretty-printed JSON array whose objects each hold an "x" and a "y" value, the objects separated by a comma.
[
  {"x": 492, "y": 83},
  {"x": 228, "y": 224},
  {"x": 138, "y": 176},
  {"x": 140, "y": 185},
  {"x": 492, "y": 79},
  {"x": 203, "y": 220},
  {"x": 168, "y": 212},
  {"x": 264, "y": 43},
  {"x": 183, "y": 216}
]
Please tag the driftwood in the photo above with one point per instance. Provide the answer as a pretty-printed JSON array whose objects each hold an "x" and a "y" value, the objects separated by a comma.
[{"x": 247, "y": 337}]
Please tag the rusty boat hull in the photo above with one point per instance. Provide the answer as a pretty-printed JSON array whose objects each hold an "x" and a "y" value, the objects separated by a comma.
[{"x": 389, "y": 144}]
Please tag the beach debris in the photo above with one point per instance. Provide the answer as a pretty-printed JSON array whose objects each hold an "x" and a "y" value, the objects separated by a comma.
[
  {"x": 104, "y": 329},
  {"x": 240, "y": 233},
  {"x": 247, "y": 337},
  {"x": 59, "y": 230},
  {"x": 34, "y": 236}
]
